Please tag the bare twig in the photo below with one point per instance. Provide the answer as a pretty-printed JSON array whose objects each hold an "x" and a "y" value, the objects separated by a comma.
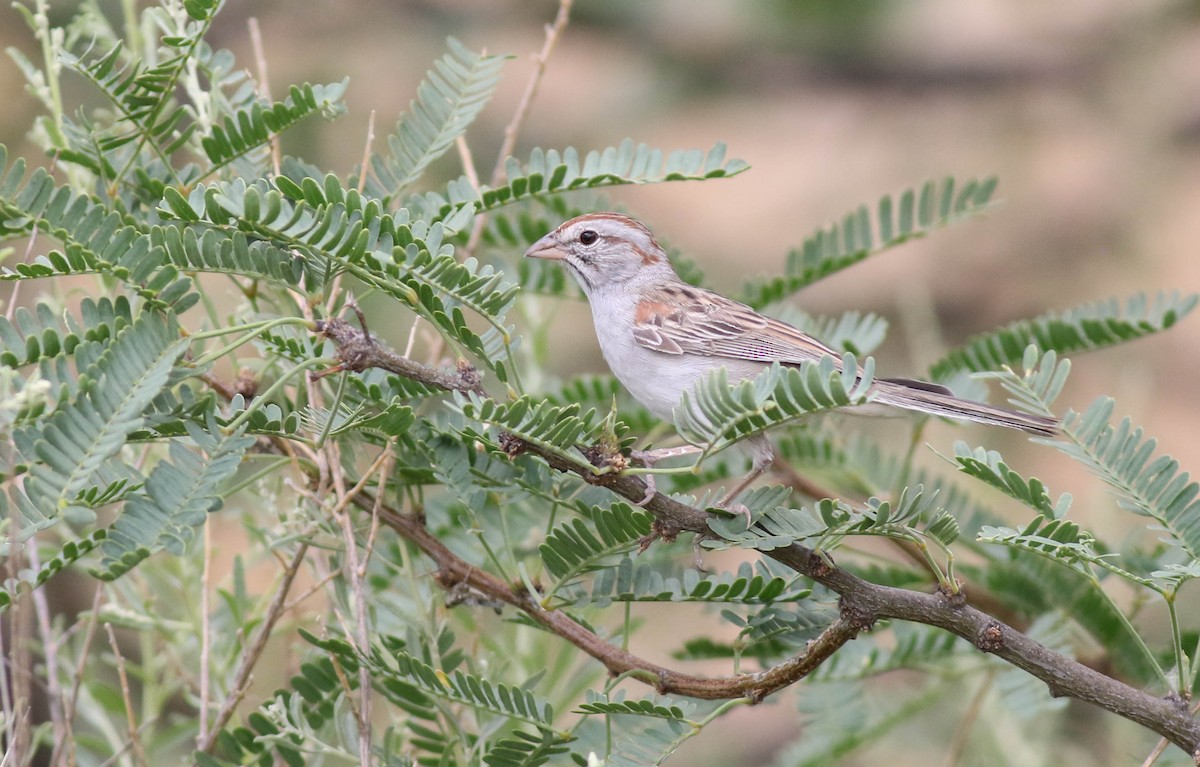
[
  {"x": 467, "y": 160},
  {"x": 366, "y": 158},
  {"x": 1162, "y": 744},
  {"x": 16, "y": 674},
  {"x": 962, "y": 733},
  {"x": 355, "y": 571},
  {"x": 72, "y": 700},
  {"x": 264, "y": 85},
  {"x": 250, "y": 656},
  {"x": 554, "y": 31},
  {"x": 205, "y": 630},
  {"x": 135, "y": 739},
  {"x": 49, "y": 649},
  {"x": 412, "y": 337}
]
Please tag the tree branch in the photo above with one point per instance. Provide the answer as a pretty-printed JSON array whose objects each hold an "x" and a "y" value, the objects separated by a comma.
[
  {"x": 454, "y": 574},
  {"x": 862, "y": 602}
]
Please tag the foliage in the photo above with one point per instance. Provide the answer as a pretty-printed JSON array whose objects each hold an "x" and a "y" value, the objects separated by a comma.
[{"x": 453, "y": 522}]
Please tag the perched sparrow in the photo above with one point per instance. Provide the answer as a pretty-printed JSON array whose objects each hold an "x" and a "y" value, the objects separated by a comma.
[{"x": 660, "y": 335}]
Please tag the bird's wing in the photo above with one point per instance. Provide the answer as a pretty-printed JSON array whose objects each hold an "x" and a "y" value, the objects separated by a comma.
[{"x": 680, "y": 319}]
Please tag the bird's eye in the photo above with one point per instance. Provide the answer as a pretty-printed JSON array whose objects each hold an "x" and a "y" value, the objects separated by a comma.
[{"x": 588, "y": 237}]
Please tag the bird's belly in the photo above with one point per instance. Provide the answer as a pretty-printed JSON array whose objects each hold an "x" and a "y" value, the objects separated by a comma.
[{"x": 658, "y": 380}]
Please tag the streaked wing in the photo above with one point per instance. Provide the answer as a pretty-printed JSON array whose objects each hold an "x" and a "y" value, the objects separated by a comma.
[{"x": 680, "y": 319}]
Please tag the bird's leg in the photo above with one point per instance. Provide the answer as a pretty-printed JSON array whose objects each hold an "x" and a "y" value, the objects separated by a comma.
[
  {"x": 762, "y": 462},
  {"x": 650, "y": 457}
]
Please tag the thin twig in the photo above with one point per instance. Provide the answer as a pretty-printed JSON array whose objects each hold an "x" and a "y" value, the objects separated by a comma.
[
  {"x": 963, "y": 732},
  {"x": 335, "y": 286},
  {"x": 467, "y": 160},
  {"x": 264, "y": 85},
  {"x": 554, "y": 31},
  {"x": 385, "y": 471},
  {"x": 72, "y": 700},
  {"x": 16, "y": 674},
  {"x": 250, "y": 656},
  {"x": 205, "y": 630},
  {"x": 49, "y": 648},
  {"x": 135, "y": 739},
  {"x": 355, "y": 572},
  {"x": 412, "y": 336},
  {"x": 366, "y": 158}
]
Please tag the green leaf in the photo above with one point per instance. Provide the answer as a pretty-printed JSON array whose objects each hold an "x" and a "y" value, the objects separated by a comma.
[
  {"x": 448, "y": 100},
  {"x": 68, "y": 554},
  {"x": 575, "y": 547},
  {"x": 856, "y": 238},
  {"x": 73, "y": 448},
  {"x": 988, "y": 466},
  {"x": 548, "y": 171},
  {"x": 1086, "y": 327},
  {"x": 254, "y": 127},
  {"x": 179, "y": 494},
  {"x": 717, "y": 415},
  {"x": 560, "y": 429},
  {"x": 1145, "y": 484},
  {"x": 642, "y": 582},
  {"x": 395, "y": 672}
]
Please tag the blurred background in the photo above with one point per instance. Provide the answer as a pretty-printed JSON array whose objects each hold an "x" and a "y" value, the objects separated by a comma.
[{"x": 1087, "y": 110}]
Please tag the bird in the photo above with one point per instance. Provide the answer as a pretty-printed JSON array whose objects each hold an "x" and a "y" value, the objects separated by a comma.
[{"x": 661, "y": 335}]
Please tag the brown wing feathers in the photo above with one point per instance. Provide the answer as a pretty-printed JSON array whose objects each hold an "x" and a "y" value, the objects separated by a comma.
[{"x": 680, "y": 319}]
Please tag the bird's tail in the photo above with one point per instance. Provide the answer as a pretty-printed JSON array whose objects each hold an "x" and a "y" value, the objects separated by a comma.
[{"x": 938, "y": 400}]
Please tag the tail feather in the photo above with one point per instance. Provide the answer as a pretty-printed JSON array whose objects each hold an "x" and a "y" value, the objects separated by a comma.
[{"x": 937, "y": 400}]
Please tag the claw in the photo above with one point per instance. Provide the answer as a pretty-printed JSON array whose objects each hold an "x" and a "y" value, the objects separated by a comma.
[
  {"x": 697, "y": 560},
  {"x": 651, "y": 491}
]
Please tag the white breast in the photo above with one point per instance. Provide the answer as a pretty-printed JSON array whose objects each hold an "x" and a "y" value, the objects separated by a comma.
[{"x": 653, "y": 378}]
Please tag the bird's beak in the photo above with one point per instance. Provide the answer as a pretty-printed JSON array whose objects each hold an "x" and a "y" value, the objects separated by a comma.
[{"x": 547, "y": 247}]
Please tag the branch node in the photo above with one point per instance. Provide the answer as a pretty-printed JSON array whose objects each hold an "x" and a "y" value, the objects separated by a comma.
[
  {"x": 469, "y": 375},
  {"x": 355, "y": 348},
  {"x": 855, "y": 615},
  {"x": 663, "y": 685},
  {"x": 246, "y": 384},
  {"x": 956, "y": 600},
  {"x": 602, "y": 456},
  {"x": 459, "y": 592},
  {"x": 990, "y": 639},
  {"x": 511, "y": 444},
  {"x": 822, "y": 564},
  {"x": 659, "y": 529}
]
